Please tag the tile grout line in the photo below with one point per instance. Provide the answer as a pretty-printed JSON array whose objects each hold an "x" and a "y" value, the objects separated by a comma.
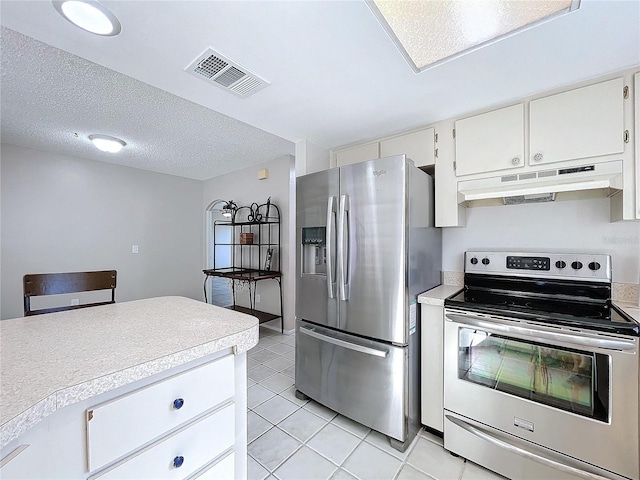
[{"x": 336, "y": 467}]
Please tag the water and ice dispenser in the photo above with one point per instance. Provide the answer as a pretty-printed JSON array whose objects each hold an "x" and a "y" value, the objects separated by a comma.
[{"x": 314, "y": 251}]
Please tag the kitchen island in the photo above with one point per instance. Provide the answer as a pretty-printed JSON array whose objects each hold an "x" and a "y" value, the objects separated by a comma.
[{"x": 103, "y": 391}]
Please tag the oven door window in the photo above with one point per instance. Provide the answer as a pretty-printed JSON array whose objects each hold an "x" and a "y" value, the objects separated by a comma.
[{"x": 572, "y": 380}]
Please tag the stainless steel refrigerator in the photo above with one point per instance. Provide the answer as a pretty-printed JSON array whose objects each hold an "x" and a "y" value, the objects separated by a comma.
[{"x": 366, "y": 247}]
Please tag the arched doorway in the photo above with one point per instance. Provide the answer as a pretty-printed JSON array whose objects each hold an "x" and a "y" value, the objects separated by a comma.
[{"x": 218, "y": 289}]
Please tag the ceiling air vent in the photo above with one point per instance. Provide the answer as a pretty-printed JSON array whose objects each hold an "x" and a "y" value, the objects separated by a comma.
[{"x": 225, "y": 73}]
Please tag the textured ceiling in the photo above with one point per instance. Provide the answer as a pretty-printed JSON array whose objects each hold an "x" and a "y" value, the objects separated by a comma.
[
  {"x": 48, "y": 95},
  {"x": 335, "y": 76}
]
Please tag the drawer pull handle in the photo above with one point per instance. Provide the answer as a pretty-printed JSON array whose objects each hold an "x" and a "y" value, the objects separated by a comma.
[
  {"x": 178, "y": 403},
  {"x": 178, "y": 461}
]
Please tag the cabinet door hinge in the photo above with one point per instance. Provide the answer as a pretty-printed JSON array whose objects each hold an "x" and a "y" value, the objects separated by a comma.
[
  {"x": 454, "y": 133},
  {"x": 436, "y": 137},
  {"x": 625, "y": 92},
  {"x": 625, "y": 136},
  {"x": 436, "y": 153},
  {"x": 454, "y": 164}
]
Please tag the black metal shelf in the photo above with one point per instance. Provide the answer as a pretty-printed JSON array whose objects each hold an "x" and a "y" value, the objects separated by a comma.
[{"x": 250, "y": 264}]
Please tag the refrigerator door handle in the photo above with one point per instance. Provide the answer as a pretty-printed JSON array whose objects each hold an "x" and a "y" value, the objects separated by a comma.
[
  {"x": 331, "y": 211},
  {"x": 344, "y": 248},
  {"x": 341, "y": 343}
]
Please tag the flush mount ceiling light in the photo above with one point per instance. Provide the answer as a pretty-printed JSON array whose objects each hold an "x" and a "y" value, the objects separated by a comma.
[
  {"x": 107, "y": 143},
  {"x": 432, "y": 32},
  {"x": 89, "y": 15}
]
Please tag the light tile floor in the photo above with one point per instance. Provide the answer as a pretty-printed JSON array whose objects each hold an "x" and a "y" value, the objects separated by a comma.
[{"x": 291, "y": 439}]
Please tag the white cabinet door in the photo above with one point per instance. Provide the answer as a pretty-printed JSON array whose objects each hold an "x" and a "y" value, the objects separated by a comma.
[
  {"x": 418, "y": 146},
  {"x": 182, "y": 453},
  {"x": 581, "y": 123},
  {"x": 223, "y": 469},
  {"x": 490, "y": 141},
  {"x": 361, "y": 153},
  {"x": 122, "y": 425},
  {"x": 432, "y": 355}
]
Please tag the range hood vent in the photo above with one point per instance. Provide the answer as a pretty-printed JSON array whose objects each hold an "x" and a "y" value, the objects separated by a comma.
[
  {"x": 543, "y": 185},
  {"x": 223, "y": 72}
]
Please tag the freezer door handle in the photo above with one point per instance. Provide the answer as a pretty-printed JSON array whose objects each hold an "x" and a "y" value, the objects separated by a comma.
[
  {"x": 341, "y": 343},
  {"x": 331, "y": 212},
  {"x": 343, "y": 248}
]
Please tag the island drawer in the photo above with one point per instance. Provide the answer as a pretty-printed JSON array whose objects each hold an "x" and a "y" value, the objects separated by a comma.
[
  {"x": 182, "y": 453},
  {"x": 124, "y": 424},
  {"x": 221, "y": 468}
]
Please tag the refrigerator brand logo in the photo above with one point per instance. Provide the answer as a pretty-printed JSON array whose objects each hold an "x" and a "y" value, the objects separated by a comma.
[{"x": 377, "y": 173}]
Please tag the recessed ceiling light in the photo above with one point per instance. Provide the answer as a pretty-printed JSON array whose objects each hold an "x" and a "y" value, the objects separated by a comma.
[
  {"x": 89, "y": 15},
  {"x": 429, "y": 33},
  {"x": 107, "y": 143}
]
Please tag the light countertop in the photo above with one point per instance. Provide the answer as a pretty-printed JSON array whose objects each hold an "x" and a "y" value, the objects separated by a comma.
[
  {"x": 436, "y": 295},
  {"x": 630, "y": 309},
  {"x": 50, "y": 361}
]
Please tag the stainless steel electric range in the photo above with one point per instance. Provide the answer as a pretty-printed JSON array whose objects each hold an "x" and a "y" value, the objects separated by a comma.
[{"x": 541, "y": 369}]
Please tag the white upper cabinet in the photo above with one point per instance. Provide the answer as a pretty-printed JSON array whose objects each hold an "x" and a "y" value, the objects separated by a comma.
[
  {"x": 490, "y": 141},
  {"x": 581, "y": 123},
  {"x": 418, "y": 146},
  {"x": 361, "y": 153}
]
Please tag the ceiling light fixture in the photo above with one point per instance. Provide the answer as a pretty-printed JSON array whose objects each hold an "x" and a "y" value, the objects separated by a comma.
[
  {"x": 107, "y": 143},
  {"x": 429, "y": 33},
  {"x": 89, "y": 15}
]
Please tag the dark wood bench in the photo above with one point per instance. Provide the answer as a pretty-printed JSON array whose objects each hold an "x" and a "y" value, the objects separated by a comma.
[{"x": 39, "y": 284}]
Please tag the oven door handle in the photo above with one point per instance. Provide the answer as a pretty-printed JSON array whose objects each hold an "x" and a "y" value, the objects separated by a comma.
[
  {"x": 522, "y": 452},
  {"x": 494, "y": 325}
]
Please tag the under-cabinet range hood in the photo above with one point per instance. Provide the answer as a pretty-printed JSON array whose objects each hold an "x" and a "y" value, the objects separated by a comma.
[{"x": 587, "y": 180}]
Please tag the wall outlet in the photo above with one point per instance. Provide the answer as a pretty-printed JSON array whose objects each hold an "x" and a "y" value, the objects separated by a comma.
[
  {"x": 257, "y": 298},
  {"x": 75, "y": 301},
  {"x": 134, "y": 248}
]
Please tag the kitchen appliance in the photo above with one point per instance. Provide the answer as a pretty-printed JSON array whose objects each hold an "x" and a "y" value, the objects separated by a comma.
[
  {"x": 366, "y": 247},
  {"x": 541, "y": 369},
  {"x": 594, "y": 179}
]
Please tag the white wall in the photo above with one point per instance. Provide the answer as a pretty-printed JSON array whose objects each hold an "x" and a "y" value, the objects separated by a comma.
[
  {"x": 65, "y": 214},
  {"x": 310, "y": 158},
  {"x": 565, "y": 226},
  {"x": 244, "y": 188}
]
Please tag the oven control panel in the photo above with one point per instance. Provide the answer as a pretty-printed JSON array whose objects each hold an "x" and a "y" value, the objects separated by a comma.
[
  {"x": 528, "y": 263},
  {"x": 576, "y": 266}
]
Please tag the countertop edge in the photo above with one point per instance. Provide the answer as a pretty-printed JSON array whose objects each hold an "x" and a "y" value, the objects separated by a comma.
[
  {"x": 437, "y": 295},
  {"x": 241, "y": 342}
]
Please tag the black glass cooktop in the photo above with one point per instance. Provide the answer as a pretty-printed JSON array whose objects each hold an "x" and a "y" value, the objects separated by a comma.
[{"x": 582, "y": 304}]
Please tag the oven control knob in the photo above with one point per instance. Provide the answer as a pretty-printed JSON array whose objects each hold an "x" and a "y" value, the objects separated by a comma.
[
  {"x": 576, "y": 265},
  {"x": 474, "y": 261},
  {"x": 560, "y": 264},
  {"x": 594, "y": 266},
  {"x": 485, "y": 261}
]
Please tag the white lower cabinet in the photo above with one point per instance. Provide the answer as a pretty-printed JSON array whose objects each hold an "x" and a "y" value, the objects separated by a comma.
[
  {"x": 220, "y": 470},
  {"x": 139, "y": 432},
  {"x": 155, "y": 410},
  {"x": 182, "y": 453},
  {"x": 431, "y": 358}
]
